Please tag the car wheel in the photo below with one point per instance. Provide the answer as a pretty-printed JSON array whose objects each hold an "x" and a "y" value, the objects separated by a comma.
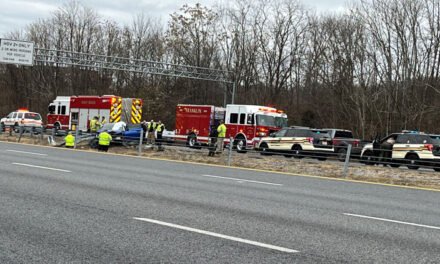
[
  {"x": 342, "y": 153},
  {"x": 322, "y": 159},
  {"x": 412, "y": 161},
  {"x": 297, "y": 149},
  {"x": 93, "y": 143},
  {"x": 264, "y": 149},
  {"x": 368, "y": 158},
  {"x": 437, "y": 169},
  {"x": 16, "y": 128},
  {"x": 240, "y": 144}
]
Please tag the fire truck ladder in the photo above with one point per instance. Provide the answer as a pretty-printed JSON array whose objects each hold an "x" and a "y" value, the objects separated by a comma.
[{"x": 62, "y": 58}]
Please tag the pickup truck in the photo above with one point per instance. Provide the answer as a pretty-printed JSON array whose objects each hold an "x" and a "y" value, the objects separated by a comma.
[{"x": 341, "y": 138}]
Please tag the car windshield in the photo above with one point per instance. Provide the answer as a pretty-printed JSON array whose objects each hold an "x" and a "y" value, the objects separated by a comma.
[
  {"x": 435, "y": 139},
  {"x": 320, "y": 134},
  {"x": 343, "y": 134},
  {"x": 272, "y": 121},
  {"x": 33, "y": 116}
]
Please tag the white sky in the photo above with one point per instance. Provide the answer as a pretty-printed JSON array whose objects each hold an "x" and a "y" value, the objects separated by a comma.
[{"x": 16, "y": 14}]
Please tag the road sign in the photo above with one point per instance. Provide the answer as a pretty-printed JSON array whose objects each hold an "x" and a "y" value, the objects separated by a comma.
[{"x": 16, "y": 52}]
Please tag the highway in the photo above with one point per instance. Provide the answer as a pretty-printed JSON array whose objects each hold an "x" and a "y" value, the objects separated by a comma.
[{"x": 66, "y": 206}]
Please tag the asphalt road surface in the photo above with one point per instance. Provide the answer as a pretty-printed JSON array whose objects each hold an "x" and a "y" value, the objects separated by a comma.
[{"x": 64, "y": 206}]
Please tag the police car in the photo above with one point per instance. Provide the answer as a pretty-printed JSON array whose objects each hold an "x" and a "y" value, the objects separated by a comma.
[
  {"x": 22, "y": 117},
  {"x": 410, "y": 148},
  {"x": 298, "y": 142}
]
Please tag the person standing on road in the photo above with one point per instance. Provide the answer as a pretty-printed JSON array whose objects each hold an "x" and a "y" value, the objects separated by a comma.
[
  {"x": 159, "y": 130},
  {"x": 104, "y": 141},
  {"x": 151, "y": 127},
  {"x": 69, "y": 140},
  {"x": 221, "y": 129}
]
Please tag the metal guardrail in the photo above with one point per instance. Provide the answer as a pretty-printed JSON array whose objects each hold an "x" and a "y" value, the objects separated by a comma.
[{"x": 382, "y": 156}]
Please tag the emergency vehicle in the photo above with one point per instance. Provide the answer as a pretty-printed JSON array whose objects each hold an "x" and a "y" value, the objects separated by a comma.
[
  {"x": 67, "y": 112},
  {"x": 22, "y": 117},
  {"x": 244, "y": 123}
]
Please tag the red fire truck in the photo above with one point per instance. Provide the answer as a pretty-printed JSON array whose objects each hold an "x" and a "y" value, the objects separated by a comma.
[
  {"x": 245, "y": 123},
  {"x": 66, "y": 112}
]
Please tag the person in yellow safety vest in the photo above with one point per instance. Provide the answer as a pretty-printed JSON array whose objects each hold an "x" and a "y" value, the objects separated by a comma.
[
  {"x": 70, "y": 140},
  {"x": 221, "y": 129},
  {"x": 104, "y": 141},
  {"x": 159, "y": 130},
  {"x": 103, "y": 121},
  {"x": 94, "y": 124},
  {"x": 151, "y": 127}
]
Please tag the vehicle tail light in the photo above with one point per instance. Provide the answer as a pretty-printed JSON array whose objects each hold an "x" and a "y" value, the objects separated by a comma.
[
  {"x": 356, "y": 143},
  {"x": 429, "y": 147},
  {"x": 310, "y": 140}
]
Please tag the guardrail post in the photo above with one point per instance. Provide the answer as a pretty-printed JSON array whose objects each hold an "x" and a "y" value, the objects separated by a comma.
[
  {"x": 54, "y": 131},
  {"x": 1, "y": 128},
  {"x": 141, "y": 137},
  {"x": 76, "y": 136},
  {"x": 11, "y": 128},
  {"x": 230, "y": 150},
  {"x": 347, "y": 161},
  {"x": 32, "y": 132},
  {"x": 20, "y": 129}
]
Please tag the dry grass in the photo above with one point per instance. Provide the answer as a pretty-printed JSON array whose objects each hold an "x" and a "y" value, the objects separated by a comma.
[{"x": 426, "y": 179}]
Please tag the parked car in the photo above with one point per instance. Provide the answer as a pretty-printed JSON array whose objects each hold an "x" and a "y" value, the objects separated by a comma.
[
  {"x": 412, "y": 149},
  {"x": 297, "y": 142},
  {"x": 341, "y": 138},
  {"x": 22, "y": 117}
]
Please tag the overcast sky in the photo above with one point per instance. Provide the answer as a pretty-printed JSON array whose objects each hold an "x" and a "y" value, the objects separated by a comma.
[{"x": 16, "y": 14}]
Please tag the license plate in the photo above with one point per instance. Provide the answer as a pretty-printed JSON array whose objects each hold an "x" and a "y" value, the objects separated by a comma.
[{"x": 324, "y": 142}]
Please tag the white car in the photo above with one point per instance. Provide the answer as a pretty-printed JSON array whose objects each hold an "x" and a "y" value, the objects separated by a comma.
[{"x": 22, "y": 117}]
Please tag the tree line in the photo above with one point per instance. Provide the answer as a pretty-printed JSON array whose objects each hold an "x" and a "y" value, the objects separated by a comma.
[{"x": 373, "y": 68}]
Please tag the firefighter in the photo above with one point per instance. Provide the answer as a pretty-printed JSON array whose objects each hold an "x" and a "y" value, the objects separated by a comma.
[
  {"x": 104, "y": 141},
  {"x": 69, "y": 140},
  {"x": 103, "y": 121},
  {"x": 221, "y": 129},
  {"x": 94, "y": 124},
  {"x": 151, "y": 127},
  {"x": 159, "y": 130}
]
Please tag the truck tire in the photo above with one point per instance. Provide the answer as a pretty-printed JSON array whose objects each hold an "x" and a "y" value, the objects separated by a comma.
[
  {"x": 412, "y": 161},
  {"x": 240, "y": 144},
  {"x": 191, "y": 142}
]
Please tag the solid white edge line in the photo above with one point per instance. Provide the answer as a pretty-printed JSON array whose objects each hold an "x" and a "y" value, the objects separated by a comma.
[
  {"x": 208, "y": 233},
  {"x": 25, "y": 152},
  {"x": 392, "y": 221},
  {"x": 241, "y": 180},
  {"x": 39, "y": 167}
]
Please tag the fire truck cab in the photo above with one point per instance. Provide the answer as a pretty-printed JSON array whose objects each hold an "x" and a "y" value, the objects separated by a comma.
[{"x": 245, "y": 123}]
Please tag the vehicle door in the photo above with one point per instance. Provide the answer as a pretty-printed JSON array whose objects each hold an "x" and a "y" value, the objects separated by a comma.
[
  {"x": 20, "y": 119},
  {"x": 401, "y": 147},
  {"x": 279, "y": 140}
]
